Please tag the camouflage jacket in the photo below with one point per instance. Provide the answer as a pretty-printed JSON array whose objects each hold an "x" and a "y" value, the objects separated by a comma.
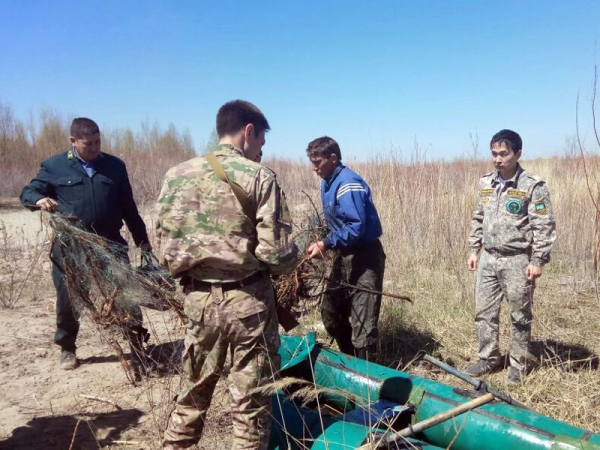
[
  {"x": 203, "y": 231},
  {"x": 514, "y": 218}
]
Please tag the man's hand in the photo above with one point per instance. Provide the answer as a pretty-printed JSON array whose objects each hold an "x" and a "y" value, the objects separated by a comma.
[
  {"x": 146, "y": 247},
  {"x": 533, "y": 272},
  {"x": 316, "y": 250},
  {"x": 472, "y": 262},
  {"x": 47, "y": 204}
]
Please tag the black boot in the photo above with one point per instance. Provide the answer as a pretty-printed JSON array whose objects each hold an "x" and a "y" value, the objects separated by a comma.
[
  {"x": 360, "y": 353},
  {"x": 345, "y": 346},
  {"x": 365, "y": 353},
  {"x": 137, "y": 337}
]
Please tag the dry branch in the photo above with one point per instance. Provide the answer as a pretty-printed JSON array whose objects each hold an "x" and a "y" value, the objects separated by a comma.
[
  {"x": 102, "y": 283},
  {"x": 102, "y": 400}
]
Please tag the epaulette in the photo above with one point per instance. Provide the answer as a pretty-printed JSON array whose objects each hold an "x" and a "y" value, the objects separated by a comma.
[{"x": 535, "y": 178}]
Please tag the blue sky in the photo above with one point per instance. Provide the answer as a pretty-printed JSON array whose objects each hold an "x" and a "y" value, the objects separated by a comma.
[{"x": 376, "y": 76}]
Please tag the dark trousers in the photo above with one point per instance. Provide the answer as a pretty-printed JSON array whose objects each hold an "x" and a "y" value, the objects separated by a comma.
[
  {"x": 67, "y": 319},
  {"x": 351, "y": 315}
]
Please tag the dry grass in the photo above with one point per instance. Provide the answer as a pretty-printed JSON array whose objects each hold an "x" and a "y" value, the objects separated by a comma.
[
  {"x": 21, "y": 260},
  {"x": 148, "y": 152},
  {"x": 425, "y": 209}
]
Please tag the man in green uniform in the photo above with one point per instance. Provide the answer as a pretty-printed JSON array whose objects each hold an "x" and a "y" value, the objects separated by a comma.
[
  {"x": 94, "y": 188},
  {"x": 224, "y": 227},
  {"x": 514, "y": 227}
]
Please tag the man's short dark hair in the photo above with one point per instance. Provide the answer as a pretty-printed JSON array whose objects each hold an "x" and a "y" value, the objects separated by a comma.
[
  {"x": 324, "y": 147},
  {"x": 236, "y": 114},
  {"x": 509, "y": 138},
  {"x": 82, "y": 127}
]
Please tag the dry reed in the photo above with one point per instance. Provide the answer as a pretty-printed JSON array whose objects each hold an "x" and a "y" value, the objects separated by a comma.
[{"x": 425, "y": 209}]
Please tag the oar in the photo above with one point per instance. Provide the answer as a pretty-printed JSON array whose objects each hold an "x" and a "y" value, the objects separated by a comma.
[
  {"x": 480, "y": 386},
  {"x": 411, "y": 430}
]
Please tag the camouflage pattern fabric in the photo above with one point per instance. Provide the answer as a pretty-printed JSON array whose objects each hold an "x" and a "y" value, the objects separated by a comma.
[
  {"x": 205, "y": 235},
  {"x": 349, "y": 315},
  {"x": 242, "y": 322},
  {"x": 203, "y": 231},
  {"x": 514, "y": 225},
  {"x": 517, "y": 219},
  {"x": 497, "y": 277}
]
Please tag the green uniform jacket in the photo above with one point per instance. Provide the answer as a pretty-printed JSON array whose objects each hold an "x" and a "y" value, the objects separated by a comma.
[
  {"x": 102, "y": 202},
  {"x": 517, "y": 218}
]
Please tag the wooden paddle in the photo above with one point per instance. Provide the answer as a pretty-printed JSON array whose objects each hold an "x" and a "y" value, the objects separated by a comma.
[{"x": 428, "y": 423}]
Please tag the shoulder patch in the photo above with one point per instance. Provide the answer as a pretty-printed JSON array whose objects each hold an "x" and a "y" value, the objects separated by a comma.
[
  {"x": 540, "y": 207},
  {"x": 532, "y": 176}
]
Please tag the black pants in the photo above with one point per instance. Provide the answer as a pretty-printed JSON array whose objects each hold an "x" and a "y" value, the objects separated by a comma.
[
  {"x": 67, "y": 319},
  {"x": 351, "y": 315}
]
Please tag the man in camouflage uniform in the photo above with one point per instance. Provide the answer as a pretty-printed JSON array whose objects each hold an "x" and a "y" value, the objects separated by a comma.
[
  {"x": 514, "y": 225},
  {"x": 225, "y": 247}
]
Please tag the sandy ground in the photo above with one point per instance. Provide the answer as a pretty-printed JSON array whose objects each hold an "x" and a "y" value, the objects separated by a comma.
[{"x": 43, "y": 407}]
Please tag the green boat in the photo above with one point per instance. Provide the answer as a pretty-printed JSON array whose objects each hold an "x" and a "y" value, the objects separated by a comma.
[{"x": 365, "y": 404}]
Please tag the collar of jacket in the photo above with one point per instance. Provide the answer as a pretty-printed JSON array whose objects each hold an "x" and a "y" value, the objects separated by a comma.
[
  {"x": 334, "y": 175},
  {"x": 228, "y": 149},
  {"x": 75, "y": 162},
  {"x": 513, "y": 180}
]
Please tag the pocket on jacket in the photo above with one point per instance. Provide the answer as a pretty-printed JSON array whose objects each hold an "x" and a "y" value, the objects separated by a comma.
[
  {"x": 104, "y": 179},
  {"x": 69, "y": 189}
]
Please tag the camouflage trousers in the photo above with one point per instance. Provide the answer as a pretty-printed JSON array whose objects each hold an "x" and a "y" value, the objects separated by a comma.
[
  {"x": 349, "y": 315},
  {"x": 498, "y": 277},
  {"x": 243, "y": 323}
]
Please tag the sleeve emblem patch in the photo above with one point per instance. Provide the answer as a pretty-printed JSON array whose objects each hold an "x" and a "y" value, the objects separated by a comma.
[{"x": 540, "y": 207}]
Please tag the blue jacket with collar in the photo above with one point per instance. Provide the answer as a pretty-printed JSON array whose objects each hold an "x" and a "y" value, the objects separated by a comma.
[
  {"x": 349, "y": 211},
  {"x": 102, "y": 202}
]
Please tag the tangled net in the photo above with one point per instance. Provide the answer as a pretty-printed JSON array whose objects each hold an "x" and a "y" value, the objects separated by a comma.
[{"x": 101, "y": 282}]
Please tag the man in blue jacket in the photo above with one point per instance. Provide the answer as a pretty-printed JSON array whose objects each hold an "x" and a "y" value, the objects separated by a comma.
[
  {"x": 94, "y": 188},
  {"x": 350, "y": 309}
]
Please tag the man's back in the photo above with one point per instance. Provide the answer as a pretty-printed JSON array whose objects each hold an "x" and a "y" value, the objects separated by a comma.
[{"x": 203, "y": 227}]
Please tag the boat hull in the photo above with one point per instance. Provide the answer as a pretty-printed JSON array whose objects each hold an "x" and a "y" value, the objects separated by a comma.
[{"x": 352, "y": 383}]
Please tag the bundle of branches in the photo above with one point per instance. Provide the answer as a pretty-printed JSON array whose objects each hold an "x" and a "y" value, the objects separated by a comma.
[
  {"x": 102, "y": 283},
  {"x": 300, "y": 291}
]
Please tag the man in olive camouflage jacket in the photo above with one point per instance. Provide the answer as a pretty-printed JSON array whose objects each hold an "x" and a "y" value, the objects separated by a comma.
[
  {"x": 514, "y": 226},
  {"x": 225, "y": 246}
]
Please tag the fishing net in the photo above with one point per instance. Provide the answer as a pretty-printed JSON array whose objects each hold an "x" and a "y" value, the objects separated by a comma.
[{"x": 102, "y": 283}]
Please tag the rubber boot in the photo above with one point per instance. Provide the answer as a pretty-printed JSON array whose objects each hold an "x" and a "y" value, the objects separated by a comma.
[{"x": 137, "y": 337}]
